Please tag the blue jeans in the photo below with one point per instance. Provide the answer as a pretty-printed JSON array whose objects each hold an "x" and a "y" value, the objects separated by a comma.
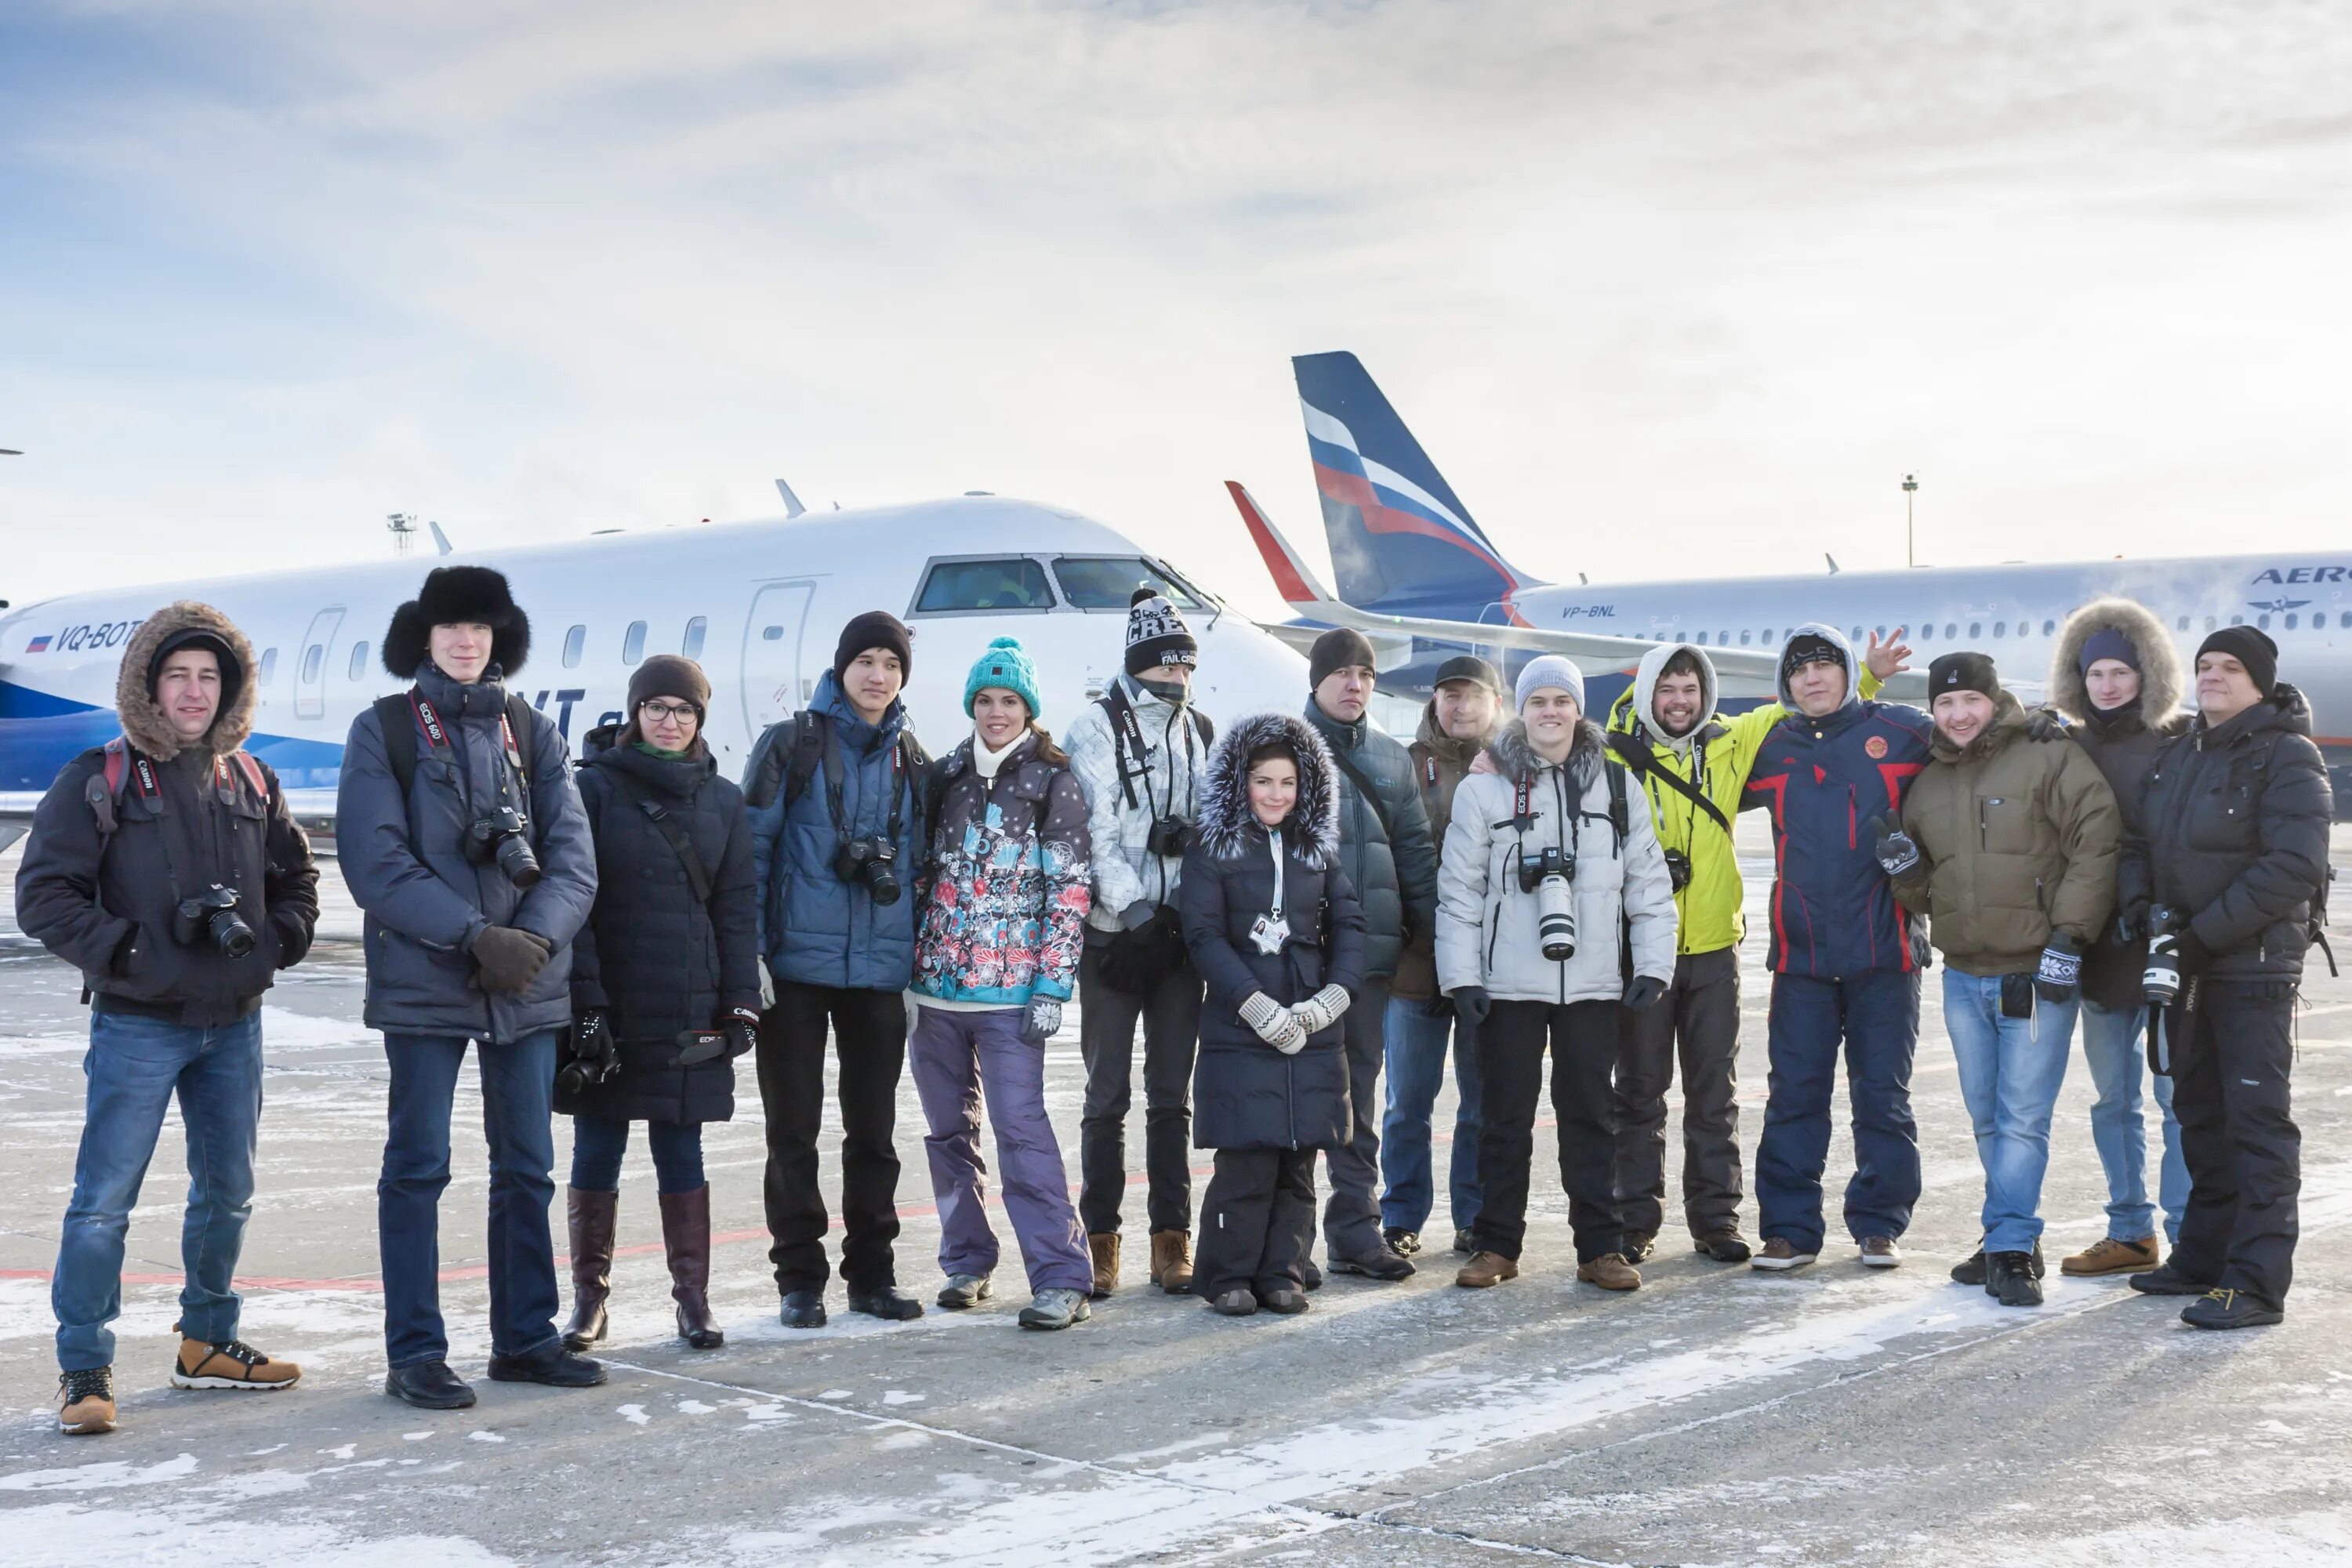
[
  {"x": 2111, "y": 1048},
  {"x": 599, "y": 1141},
  {"x": 518, "y": 1089},
  {"x": 135, "y": 1065},
  {"x": 1877, "y": 1017},
  {"x": 1416, "y": 1070},
  {"x": 2010, "y": 1072}
]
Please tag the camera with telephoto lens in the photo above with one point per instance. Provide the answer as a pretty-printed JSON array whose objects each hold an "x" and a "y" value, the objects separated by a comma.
[
  {"x": 1678, "y": 869},
  {"x": 503, "y": 836},
  {"x": 211, "y": 915},
  {"x": 1169, "y": 837},
  {"x": 2161, "y": 979},
  {"x": 873, "y": 861},
  {"x": 1550, "y": 874}
]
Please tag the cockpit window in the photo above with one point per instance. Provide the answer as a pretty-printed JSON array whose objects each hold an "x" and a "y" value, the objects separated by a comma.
[
  {"x": 1015, "y": 582},
  {"x": 1108, "y": 581}
]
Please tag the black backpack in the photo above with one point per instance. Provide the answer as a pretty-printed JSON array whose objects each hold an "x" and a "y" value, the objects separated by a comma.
[
  {"x": 789, "y": 753},
  {"x": 397, "y": 720}
]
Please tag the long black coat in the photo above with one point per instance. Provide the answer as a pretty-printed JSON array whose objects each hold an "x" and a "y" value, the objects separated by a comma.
[
  {"x": 1393, "y": 868},
  {"x": 656, "y": 958},
  {"x": 1246, "y": 1094},
  {"x": 2233, "y": 834}
]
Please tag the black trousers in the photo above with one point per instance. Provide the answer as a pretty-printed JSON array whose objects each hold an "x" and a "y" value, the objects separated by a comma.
[
  {"x": 1169, "y": 1013},
  {"x": 2230, "y": 1091},
  {"x": 1584, "y": 1040},
  {"x": 1351, "y": 1214},
  {"x": 870, "y": 1031},
  {"x": 1257, "y": 1223},
  {"x": 1698, "y": 1020}
]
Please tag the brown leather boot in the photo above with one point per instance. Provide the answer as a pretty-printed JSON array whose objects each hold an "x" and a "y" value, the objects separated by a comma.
[
  {"x": 594, "y": 1218},
  {"x": 686, "y": 1237},
  {"x": 1104, "y": 1244},
  {"x": 1171, "y": 1261},
  {"x": 1485, "y": 1271},
  {"x": 1611, "y": 1272}
]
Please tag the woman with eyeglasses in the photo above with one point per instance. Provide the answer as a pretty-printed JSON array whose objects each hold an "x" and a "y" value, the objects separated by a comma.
[{"x": 665, "y": 986}]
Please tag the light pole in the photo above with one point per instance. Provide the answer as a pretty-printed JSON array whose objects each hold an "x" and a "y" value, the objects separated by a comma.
[{"x": 1910, "y": 538}]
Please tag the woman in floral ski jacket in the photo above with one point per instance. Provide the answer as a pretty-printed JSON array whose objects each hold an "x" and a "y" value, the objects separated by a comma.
[{"x": 996, "y": 958}]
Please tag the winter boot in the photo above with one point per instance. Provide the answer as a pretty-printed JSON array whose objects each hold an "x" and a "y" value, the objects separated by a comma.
[
  {"x": 2009, "y": 1279},
  {"x": 2167, "y": 1280},
  {"x": 1463, "y": 1243},
  {"x": 1640, "y": 1244},
  {"x": 1104, "y": 1245},
  {"x": 1971, "y": 1270},
  {"x": 803, "y": 1309},
  {"x": 1725, "y": 1246},
  {"x": 1383, "y": 1262},
  {"x": 1171, "y": 1261},
  {"x": 86, "y": 1402},
  {"x": 1234, "y": 1303},
  {"x": 553, "y": 1367},
  {"x": 1285, "y": 1300},
  {"x": 1611, "y": 1272},
  {"x": 2109, "y": 1255},
  {"x": 1779, "y": 1255},
  {"x": 1402, "y": 1242},
  {"x": 1880, "y": 1252},
  {"x": 886, "y": 1302},
  {"x": 595, "y": 1217},
  {"x": 1485, "y": 1271},
  {"x": 2227, "y": 1308},
  {"x": 428, "y": 1386},
  {"x": 686, "y": 1237},
  {"x": 232, "y": 1364}
]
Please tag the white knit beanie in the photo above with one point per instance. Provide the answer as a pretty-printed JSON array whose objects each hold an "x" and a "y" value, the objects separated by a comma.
[{"x": 1550, "y": 670}]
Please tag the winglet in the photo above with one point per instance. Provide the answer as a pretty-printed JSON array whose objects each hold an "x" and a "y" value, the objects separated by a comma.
[
  {"x": 1292, "y": 578},
  {"x": 440, "y": 540},
  {"x": 792, "y": 507}
]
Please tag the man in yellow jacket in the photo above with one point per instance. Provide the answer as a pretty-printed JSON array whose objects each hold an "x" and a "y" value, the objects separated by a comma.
[{"x": 1694, "y": 767}]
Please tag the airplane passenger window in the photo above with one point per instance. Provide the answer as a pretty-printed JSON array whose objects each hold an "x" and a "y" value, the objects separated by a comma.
[
  {"x": 695, "y": 629},
  {"x": 2048, "y": 628},
  {"x": 632, "y": 643},
  {"x": 573, "y": 641},
  {"x": 1857, "y": 634},
  {"x": 1723, "y": 640},
  {"x": 2263, "y": 620},
  {"x": 1107, "y": 583},
  {"x": 1765, "y": 636},
  {"x": 1976, "y": 628},
  {"x": 269, "y": 665},
  {"x": 1743, "y": 639},
  {"x": 1698, "y": 639},
  {"x": 311, "y": 658},
  {"x": 1015, "y": 583},
  {"x": 1951, "y": 628},
  {"x": 2290, "y": 623},
  {"x": 2001, "y": 629},
  {"x": 2183, "y": 626},
  {"x": 2209, "y": 623},
  {"x": 359, "y": 660},
  {"x": 2237, "y": 620}
]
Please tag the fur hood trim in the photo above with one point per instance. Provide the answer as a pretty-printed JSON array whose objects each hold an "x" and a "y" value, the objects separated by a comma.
[
  {"x": 1516, "y": 759},
  {"x": 1226, "y": 826},
  {"x": 143, "y": 723},
  {"x": 2159, "y": 661},
  {"x": 453, "y": 594}
]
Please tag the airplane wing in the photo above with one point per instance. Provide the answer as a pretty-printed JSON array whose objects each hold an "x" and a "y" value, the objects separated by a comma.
[{"x": 1740, "y": 672}]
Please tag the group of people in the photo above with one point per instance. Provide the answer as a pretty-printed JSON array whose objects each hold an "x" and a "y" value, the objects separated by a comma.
[{"x": 1288, "y": 908}]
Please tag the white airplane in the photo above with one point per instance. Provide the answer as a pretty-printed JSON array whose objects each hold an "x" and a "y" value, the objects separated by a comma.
[{"x": 759, "y": 603}]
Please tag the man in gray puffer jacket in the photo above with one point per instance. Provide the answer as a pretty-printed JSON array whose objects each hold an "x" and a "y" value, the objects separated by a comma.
[
  {"x": 1390, "y": 861},
  {"x": 470, "y": 917},
  {"x": 1137, "y": 753}
]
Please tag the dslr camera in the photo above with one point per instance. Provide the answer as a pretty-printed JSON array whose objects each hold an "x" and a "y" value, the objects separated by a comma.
[
  {"x": 211, "y": 915},
  {"x": 873, "y": 861},
  {"x": 1678, "y": 869},
  {"x": 1169, "y": 837},
  {"x": 1550, "y": 875},
  {"x": 503, "y": 837},
  {"x": 2161, "y": 979},
  {"x": 595, "y": 1055}
]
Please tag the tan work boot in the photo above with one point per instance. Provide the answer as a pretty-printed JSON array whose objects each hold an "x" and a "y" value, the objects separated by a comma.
[
  {"x": 86, "y": 1402},
  {"x": 233, "y": 1365},
  {"x": 1171, "y": 1261},
  {"x": 2109, "y": 1256},
  {"x": 1104, "y": 1244},
  {"x": 1487, "y": 1270},
  {"x": 1611, "y": 1272}
]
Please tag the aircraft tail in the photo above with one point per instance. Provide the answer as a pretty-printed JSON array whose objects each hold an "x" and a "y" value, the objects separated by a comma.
[
  {"x": 1292, "y": 578},
  {"x": 1401, "y": 542}
]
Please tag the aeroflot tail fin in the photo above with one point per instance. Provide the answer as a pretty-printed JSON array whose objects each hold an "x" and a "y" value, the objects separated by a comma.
[
  {"x": 1292, "y": 578},
  {"x": 1401, "y": 542}
]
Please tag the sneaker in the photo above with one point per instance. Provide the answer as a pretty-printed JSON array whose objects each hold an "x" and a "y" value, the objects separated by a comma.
[
  {"x": 1381, "y": 1265},
  {"x": 1485, "y": 1271},
  {"x": 1231, "y": 1304},
  {"x": 1725, "y": 1246},
  {"x": 2167, "y": 1281},
  {"x": 2009, "y": 1279},
  {"x": 1880, "y": 1252},
  {"x": 1462, "y": 1244},
  {"x": 86, "y": 1402},
  {"x": 233, "y": 1365},
  {"x": 1056, "y": 1308},
  {"x": 886, "y": 1302},
  {"x": 2221, "y": 1308},
  {"x": 963, "y": 1290},
  {"x": 1971, "y": 1270},
  {"x": 428, "y": 1386},
  {"x": 1640, "y": 1246},
  {"x": 1611, "y": 1272},
  {"x": 1287, "y": 1302},
  {"x": 1403, "y": 1243},
  {"x": 803, "y": 1309},
  {"x": 553, "y": 1368},
  {"x": 2110, "y": 1255},
  {"x": 1779, "y": 1253}
]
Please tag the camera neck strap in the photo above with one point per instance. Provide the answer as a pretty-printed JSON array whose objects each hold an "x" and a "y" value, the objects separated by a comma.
[
  {"x": 836, "y": 781},
  {"x": 435, "y": 732}
]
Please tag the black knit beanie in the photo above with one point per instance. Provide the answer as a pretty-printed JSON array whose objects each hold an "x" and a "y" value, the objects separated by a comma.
[
  {"x": 2250, "y": 646},
  {"x": 875, "y": 628},
  {"x": 1337, "y": 649},
  {"x": 1157, "y": 636},
  {"x": 1966, "y": 671}
]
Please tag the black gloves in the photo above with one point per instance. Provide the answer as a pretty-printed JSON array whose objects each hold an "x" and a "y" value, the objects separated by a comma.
[
  {"x": 2061, "y": 974},
  {"x": 741, "y": 1028},
  {"x": 2046, "y": 723},
  {"x": 1645, "y": 992},
  {"x": 1472, "y": 1004},
  {"x": 510, "y": 960},
  {"x": 1898, "y": 851},
  {"x": 592, "y": 1041}
]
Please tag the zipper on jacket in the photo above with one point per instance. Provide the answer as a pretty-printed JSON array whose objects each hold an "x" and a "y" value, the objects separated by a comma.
[
  {"x": 1852, "y": 840},
  {"x": 1984, "y": 828}
]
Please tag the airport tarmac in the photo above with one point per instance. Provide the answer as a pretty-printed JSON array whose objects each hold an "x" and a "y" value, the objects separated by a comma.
[{"x": 1718, "y": 1415}]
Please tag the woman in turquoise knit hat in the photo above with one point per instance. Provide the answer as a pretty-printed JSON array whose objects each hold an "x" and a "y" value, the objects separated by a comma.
[{"x": 996, "y": 957}]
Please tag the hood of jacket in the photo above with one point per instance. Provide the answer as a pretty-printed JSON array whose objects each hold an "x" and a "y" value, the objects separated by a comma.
[
  {"x": 145, "y": 724},
  {"x": 2007, "y": 723},
  {"x": 2159, "y": 661},
  {"x": 1632, "y": 711},
  {"x": 1516, "y": 758},
  {"x": 1346, "y": 736},
  {"x": 678, "y": 776},
  {"x": 1453, "y": 752},
  {"x": 1226, "y": 825},
  {"x": 1845, "y": 645},
  {"x": 855, "y": 734},
  {"x": 2286, "y": 709}
]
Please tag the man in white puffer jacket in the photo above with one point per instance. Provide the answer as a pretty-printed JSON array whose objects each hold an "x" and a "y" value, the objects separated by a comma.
[
  {"x": 1137, "y": 752},
  {"x": 1550, "y": 870}
]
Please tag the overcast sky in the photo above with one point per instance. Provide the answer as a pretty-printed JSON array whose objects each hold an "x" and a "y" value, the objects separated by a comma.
[{"x": 1664, "y": 288}]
